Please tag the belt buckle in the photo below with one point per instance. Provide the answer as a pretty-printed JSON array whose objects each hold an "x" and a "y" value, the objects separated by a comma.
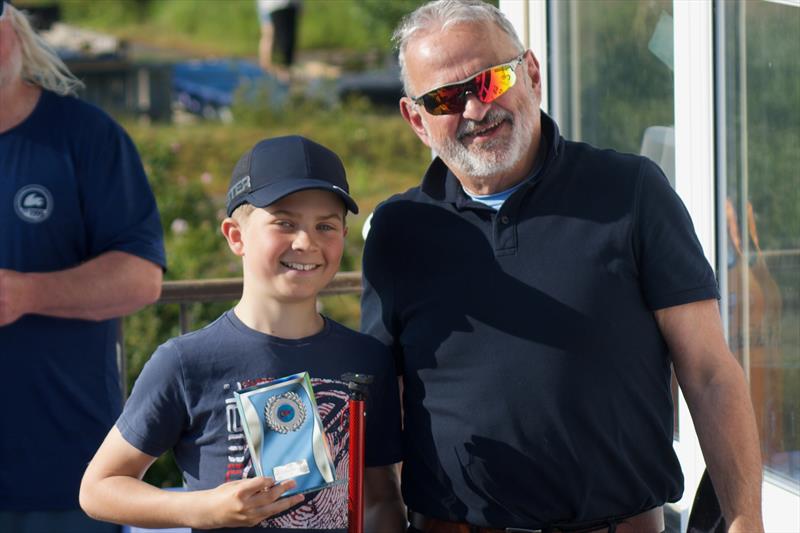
[{"x": 522, "y": 530}]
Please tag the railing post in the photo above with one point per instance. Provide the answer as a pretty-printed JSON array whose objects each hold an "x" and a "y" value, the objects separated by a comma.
[{"x": 184, "y": 318}]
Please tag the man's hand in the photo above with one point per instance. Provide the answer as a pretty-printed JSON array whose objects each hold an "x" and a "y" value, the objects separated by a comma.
[
  {"x": 13, "y": 296},
  {"x": 242, "y": 503}
]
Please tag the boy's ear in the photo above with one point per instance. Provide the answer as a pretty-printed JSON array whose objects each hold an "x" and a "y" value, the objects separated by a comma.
[{"x": 232, "y": 231}]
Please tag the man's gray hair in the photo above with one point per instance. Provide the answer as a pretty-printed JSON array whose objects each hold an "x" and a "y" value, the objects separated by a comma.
[
  {"x": 40, "y": 63},
  {"x": 441, "y": 14}
]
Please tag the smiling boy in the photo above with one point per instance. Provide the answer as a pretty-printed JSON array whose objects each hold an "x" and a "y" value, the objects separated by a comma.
[{"x": 286, "y": 208}]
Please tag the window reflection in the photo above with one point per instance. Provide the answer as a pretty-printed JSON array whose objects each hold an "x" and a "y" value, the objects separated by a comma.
[
  {"x": 759, "y": 138},
  {"x": 612, "y": 71}
]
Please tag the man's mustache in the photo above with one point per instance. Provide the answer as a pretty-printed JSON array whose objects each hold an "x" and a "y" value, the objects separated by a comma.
[{"x": 494, "y": 116}]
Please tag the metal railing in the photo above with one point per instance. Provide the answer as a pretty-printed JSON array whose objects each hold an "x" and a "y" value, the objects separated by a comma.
[{"x": 187, "y": 292}]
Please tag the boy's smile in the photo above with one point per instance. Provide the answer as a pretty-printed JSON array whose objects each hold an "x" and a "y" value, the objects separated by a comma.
[{"x": 299, "y": 266}]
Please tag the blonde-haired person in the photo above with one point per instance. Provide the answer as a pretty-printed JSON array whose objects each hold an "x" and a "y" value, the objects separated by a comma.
[
  {"x": 81, "y": 245},
  {"x": 40, "y": 64}
]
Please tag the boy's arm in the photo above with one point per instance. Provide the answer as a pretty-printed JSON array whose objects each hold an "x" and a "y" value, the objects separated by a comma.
[
  {"x": 384, "y": 511},
  {"x": 112, "y": 490}
]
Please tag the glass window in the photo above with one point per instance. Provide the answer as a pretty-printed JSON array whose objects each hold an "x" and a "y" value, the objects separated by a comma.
[
  {"x": 758, "y": 131},
  {"x": 612, "y": 82},
  {"x": 612, "y": 64}
]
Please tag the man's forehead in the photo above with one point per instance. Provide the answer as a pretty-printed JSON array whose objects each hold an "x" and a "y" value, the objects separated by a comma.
[{"x": 442, "y": 56}]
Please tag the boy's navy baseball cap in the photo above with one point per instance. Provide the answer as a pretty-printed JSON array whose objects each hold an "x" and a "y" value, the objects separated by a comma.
[{"x": 280, "y": 166}]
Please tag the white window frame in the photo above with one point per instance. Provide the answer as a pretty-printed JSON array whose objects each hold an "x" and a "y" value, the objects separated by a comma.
[{"x": 696, "y": 182}]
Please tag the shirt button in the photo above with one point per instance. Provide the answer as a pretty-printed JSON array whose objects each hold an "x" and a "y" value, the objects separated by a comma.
[{"x": 504, "y": 219}]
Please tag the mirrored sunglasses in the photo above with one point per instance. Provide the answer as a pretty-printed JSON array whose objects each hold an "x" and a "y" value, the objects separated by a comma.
[{"x": 487, "y": 85}]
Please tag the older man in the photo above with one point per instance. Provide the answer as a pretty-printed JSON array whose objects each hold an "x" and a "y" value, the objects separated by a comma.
[
  {"x": 80, "y": 244},
  {"x": 536, "y": 292}
]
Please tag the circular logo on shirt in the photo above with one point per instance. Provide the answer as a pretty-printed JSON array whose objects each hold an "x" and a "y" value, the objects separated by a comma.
[
  {"x": 285, "y": 412},
  {"x": 33, "y": 203}
]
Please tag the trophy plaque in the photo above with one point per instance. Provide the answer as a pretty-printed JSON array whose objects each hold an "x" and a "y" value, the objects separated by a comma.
[{"x": 284, "y": 433}]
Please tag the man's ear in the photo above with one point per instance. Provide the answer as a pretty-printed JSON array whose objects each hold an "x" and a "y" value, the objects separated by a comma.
[
  {"x": 232, "y": 231},
  {"x": 534, "y": 73},
  {"x": 410, "y": 113}
]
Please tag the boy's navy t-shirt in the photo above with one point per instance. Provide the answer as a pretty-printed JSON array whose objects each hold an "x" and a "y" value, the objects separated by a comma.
[{"x": 183, "y": 400}]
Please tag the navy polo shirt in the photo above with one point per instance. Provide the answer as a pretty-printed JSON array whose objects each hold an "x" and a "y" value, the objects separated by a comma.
[{"x": 537, "y": 383}]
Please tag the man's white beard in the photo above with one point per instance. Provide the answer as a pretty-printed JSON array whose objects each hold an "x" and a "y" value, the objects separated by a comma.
[{"x": 493, "y": 157}]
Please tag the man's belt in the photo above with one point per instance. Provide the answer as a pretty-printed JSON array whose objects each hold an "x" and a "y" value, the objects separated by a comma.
[{"x": 651, "y": 521}]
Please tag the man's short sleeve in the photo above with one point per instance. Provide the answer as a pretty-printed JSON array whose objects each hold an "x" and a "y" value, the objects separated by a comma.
[
  {"x": 119, "y": 207},
  {"x": 672, "y": 267},
  {"x": 155, "y": 414}
]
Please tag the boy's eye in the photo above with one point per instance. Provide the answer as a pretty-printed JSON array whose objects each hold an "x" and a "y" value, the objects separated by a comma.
[
  {"x": 326, "y": 227},
  {"x": 284, "y": 223}
]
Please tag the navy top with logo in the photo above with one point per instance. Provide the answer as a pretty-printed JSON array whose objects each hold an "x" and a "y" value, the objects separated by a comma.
[
  {"x": 536, "y": 380},
  {"x": 72, "y": 187},
  {"x": 184, "y": 401}
]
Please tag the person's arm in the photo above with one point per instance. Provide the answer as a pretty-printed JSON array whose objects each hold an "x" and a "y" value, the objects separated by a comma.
[
  {"x": 110, "y": 285},
  {"x": 384, "y": 511},
  {"x": 112, "y": 491},
  {"x": 717, "y": 394}
]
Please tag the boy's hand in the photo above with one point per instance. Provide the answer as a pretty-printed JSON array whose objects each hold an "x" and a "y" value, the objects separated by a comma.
[{"x": 243, "y": 503}]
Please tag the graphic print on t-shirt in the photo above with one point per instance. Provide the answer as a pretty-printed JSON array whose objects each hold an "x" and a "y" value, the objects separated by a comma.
[{"x": 325, "y": 509}]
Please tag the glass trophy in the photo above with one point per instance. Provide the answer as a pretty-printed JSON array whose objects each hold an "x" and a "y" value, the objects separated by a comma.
[{"x": 284, "y": 433}]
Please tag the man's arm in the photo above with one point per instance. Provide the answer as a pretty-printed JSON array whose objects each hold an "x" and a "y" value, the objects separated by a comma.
[
  {"x": 384, "y": 511},
  {"x": 110, "y": 285},
  {"x": 717, "y": 394},
  {"x": 112, "y": 490}
]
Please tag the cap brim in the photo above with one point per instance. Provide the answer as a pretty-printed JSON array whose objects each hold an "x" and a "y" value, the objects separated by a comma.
[{"x": 272, "y": 193}]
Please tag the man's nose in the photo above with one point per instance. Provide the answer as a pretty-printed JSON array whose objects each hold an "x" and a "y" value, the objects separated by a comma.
[{"x": 474, "y": 109}]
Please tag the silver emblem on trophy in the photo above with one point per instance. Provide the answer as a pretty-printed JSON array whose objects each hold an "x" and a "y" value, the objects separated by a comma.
[{"x": 285, "y": 412}]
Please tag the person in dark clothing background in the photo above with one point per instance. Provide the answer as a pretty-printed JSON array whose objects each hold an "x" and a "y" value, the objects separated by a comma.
[{"x": 279, "y": 19}]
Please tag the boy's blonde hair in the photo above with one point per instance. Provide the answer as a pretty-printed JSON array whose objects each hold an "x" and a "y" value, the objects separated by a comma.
[
  {"x": 243, "y": 211},
  {"x": 40, "y": 63}
]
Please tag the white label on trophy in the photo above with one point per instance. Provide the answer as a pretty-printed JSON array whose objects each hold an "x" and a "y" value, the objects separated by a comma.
[{"x": 290, "y": 470}]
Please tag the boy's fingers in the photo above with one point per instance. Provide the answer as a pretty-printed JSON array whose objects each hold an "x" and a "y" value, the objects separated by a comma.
[
  {"x": 280, "y": 505},
  {"x": 255, "y": 485},
  {"x": 274, "y": 493}
]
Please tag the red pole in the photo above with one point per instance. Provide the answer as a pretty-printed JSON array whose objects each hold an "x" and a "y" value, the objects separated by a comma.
[{"x": 355, "y": 501}]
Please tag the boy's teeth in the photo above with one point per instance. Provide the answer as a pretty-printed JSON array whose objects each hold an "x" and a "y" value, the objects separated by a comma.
[{"x": 300, "y": 266}]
